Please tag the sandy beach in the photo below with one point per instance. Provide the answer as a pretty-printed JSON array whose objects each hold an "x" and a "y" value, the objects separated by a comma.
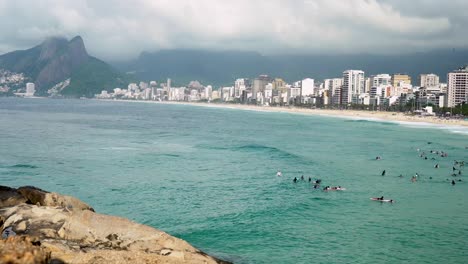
[{"x": 351, "y": 114}]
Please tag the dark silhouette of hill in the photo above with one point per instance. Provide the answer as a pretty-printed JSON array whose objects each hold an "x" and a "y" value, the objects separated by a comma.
[{"x": 223, "y": 67}]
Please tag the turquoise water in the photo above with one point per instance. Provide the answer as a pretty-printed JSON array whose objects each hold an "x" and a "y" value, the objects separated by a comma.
[{"x": 209, "y": 176}]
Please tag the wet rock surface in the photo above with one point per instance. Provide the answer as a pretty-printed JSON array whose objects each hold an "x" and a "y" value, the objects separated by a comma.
[{"x": 58, "y": 228}]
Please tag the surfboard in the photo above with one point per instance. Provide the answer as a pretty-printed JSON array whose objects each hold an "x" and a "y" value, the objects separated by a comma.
[{"x": 384, "y": 201}]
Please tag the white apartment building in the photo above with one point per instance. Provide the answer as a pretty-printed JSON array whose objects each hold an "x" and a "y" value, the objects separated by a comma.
[
  {"x": 208, "y": 91},
  {"x": 239, "y": 86},
  {"x": 30, "y": 89},
  {"x": 353, "y": 86},
  {"x": 429, "y": 80},
  {"x": 308, "y": 87},
  {"x": 457, "y": 89},
  {"x": 380, "y": 79},
  {"x": 334, "y": 86}
]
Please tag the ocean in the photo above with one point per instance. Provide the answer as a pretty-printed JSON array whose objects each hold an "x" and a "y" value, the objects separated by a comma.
[{"x": 208, "y": 176}]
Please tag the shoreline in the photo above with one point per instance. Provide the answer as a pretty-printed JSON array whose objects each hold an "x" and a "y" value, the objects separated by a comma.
[{"x": 377, "y": 116}]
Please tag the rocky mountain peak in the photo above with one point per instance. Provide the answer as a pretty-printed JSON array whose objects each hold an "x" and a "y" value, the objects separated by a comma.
[
  {"x": 77, "y": 48},
  {"x": 51, "y": 46}
]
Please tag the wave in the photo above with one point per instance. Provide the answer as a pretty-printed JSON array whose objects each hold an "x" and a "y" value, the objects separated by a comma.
[
  {"x": 449, "y": 128},
  {"x": 27, "y": 166},
  {"x": 370, "y": 120},
  {"x": 273, "y": 151},
  {"x": 456, "y": 129}
]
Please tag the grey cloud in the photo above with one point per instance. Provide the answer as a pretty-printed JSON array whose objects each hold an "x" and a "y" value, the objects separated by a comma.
[{"x": 122, "y": 29}]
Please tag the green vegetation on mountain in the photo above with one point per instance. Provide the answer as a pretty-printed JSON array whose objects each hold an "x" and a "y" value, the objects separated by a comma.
[
  {"x": 93, "y": 77},
  {"x": 58, "y": 59}
]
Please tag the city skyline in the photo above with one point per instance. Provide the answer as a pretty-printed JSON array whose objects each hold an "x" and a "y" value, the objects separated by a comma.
[
  {"x": 353, "y": 89},
  {"x": 122, "y": 29}
]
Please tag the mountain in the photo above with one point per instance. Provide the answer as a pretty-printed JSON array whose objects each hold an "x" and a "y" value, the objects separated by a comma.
[
  {"x": 183, "y": 66},
  {"x": 58, "y": 59},
  {"x": 223, "y": 67}
]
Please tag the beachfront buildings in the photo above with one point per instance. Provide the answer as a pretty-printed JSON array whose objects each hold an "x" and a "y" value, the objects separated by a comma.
[
  {"x": 398, "y": 79},
  {"x": 429, "y": 80},
  {"x": 30, "y": 89},
  {"x": 380, "y": 79},
  {"x": 259, "y": 85},
  {"x": 457, "y": 87},
  {"x": 307, "y": 87},
  {"x": 381, "y": 91},
  {"x": 240, "y": 85},
  {"x": 334, "y": 87},
  {"x": 353, "y": 86}
]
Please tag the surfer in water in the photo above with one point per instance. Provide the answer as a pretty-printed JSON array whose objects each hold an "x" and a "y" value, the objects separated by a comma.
[
  {"x": 383, "y": 173},
  {"x": 310, "y": 179},
  {"x": 453, "y": 182},
  {"x": 436, "y": 166},
  {"x": 302, "y": 177},
  {"x": 295, "y": 180}
]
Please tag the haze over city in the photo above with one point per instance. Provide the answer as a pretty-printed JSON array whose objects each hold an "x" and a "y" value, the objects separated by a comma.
[{"x": 120, "y": 30}]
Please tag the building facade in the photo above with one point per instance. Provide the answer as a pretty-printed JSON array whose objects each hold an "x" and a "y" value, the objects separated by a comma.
[
  {"x": 457, "y": 87},
  {"x": 353, "y": 86},
  {"x": 429, "y": 80},
  {"x": 399, "y": 78},
  {"x": 307, "y": 87},
  {"x": 30, "y": 89}
]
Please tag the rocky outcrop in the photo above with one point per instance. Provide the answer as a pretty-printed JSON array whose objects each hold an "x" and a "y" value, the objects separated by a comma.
[
  {"x": 21, "y": 249},
  {"x": 70, "y": 231},
  {"x": 43, "y": 198}
]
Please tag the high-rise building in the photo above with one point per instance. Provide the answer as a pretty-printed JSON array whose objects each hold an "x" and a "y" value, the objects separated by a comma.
[
  {"x": 457, "y": 89},
  {"x": 30, "y": 89},
  {"x": 239, "y": 86},
  {"x": 259, "y": 84},
  {"x": 353, "y": 86},
  {"x": 429, "y": 80},
  {"x": 367, "y": 85},
  {"x": 398, "y": 78},
  {"x": 334, "y": 86},
  {"x": 307, "y": 87},
  {"x": 380, "y": 79},
  {"x": 208, "y": 91}
]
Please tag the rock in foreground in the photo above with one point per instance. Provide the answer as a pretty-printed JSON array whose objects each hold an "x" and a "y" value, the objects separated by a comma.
[{"x": 54, "y": 227}]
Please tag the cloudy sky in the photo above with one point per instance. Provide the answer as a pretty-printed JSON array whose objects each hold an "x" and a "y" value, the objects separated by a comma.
[{"x": 121, "y": 29}]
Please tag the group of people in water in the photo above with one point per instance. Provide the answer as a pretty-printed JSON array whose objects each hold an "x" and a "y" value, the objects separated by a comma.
[
  {"x": 456, "y": 169},
  {"x": 316, "y": 183}
]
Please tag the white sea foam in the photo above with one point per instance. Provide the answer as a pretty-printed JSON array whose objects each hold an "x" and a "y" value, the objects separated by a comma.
[{"x": 450, "y": 128}]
